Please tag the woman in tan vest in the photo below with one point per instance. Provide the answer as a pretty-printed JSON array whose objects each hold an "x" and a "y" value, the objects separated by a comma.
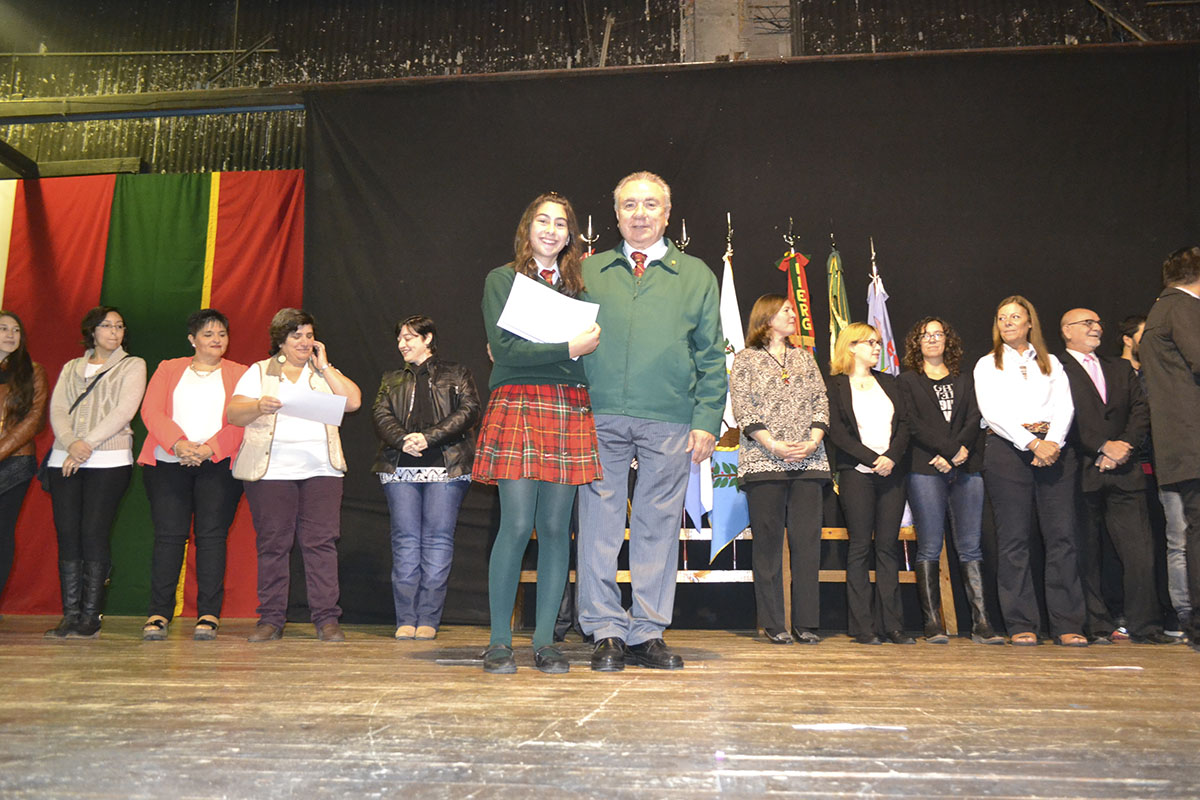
[{"x": 292, "y": 469}]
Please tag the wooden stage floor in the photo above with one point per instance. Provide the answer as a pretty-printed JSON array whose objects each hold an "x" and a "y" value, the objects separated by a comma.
[{"x": 123, "y": 718}]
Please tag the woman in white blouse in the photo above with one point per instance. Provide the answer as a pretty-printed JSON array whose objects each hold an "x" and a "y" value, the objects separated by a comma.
[
  {"x": 292, "y": 470},
  {"x": 868, "y": 425},
  {"x": 1026, "y": 404},
  {"x": 186, "y": 457}
]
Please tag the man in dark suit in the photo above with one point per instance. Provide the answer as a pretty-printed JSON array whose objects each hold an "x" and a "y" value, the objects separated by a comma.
[
  {"x": 1111, "y": 420},
  {"x": 1170, "y": 351}
]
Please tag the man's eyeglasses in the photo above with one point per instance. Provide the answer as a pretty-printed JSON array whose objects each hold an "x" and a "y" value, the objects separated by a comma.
[{"x": 1090, "y": 323}]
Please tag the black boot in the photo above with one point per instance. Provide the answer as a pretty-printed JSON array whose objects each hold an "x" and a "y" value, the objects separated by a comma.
[
  {"x": 981, "y": 629},
  {"x": 95, "y": 578},
  {"x": 70, "y": 578},
  {"x": 929, "y": 590}
]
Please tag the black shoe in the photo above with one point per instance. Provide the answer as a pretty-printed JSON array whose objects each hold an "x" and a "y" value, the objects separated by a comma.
[
  {"x": 550, "y": 659},
  {"x": 783, "y": 637},
  {"x": 655, "y": 654},
  {"x": 609, "y": 655},
  {"x": 867, "y": 638},
  {"x": 1158, "y": 637},
  {"x": 900, "y": 637},
  {"x": 1100, "y": 638},
  {"x": 498, "y": 660},
  {"x": 805, "y": 637}
]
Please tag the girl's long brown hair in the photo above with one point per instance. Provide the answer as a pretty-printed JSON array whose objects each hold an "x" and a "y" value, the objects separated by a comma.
[
  {"x": 19, "y": 367},
  {"x": 570, "y": 260}
]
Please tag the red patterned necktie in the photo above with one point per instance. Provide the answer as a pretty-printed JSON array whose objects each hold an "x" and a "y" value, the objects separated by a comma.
[
  {"x": 548, "y": 276},
  {"x": 639, "y": 264}
]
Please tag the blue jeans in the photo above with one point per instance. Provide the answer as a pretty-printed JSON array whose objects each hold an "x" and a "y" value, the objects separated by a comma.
[
  {"x": 1177, "y": 577},
  {"x": 930, "y": 496},
  {"x": 423, "y": 516}
]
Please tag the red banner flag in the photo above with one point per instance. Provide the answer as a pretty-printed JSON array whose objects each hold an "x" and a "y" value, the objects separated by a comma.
[{"x": 793, "y": 264}]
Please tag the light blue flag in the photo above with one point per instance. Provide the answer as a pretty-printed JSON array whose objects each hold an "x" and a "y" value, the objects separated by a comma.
[
  {"x": 694, "y": 502},
  {"x": 877, "y": 315},
  {"x": 730, "y": 512}
]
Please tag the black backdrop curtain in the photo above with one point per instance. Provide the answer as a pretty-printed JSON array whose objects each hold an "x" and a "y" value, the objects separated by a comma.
[{"x": 1062, "y": 175}]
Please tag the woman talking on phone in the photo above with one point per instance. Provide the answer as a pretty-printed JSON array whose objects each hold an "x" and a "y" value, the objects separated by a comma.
[{"x": 292, "y": 469}]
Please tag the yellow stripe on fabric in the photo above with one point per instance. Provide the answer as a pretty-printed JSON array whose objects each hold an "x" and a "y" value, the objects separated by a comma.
[
  {"x": 8, "y": 199},
  {"x": 210, "y": 245},
  {"x": 179, "y": 586}
]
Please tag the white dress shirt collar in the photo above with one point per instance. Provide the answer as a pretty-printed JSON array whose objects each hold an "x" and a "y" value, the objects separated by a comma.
[{"x": 654, "y": 252}]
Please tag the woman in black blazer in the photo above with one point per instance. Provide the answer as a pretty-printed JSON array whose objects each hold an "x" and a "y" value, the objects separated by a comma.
[
  {"x": 869, "y": 427},
  {"x": 947, "y": 456}
]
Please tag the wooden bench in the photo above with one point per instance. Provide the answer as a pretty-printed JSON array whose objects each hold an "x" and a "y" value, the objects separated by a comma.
[{"x": 908, "y": 534}]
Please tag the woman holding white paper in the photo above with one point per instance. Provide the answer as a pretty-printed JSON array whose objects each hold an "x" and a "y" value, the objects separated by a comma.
[
  {"x": 537, "y": 442},
  {"x": 292, "y": 469}
]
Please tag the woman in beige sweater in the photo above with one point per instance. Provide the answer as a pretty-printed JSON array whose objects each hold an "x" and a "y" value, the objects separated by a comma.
[{"x": 91, "y": 463}]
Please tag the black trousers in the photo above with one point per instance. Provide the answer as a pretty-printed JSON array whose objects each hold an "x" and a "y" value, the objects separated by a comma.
[
  {"x": 1022, "y": 493},
  {"x": 85, "y": 506},
  {"x": 796, "y": 503},
  {"x": 1127, "y": 518},
  {"x": 208, "y": 494},
  {"x": 10, "y": 508},
  {"x": 874, "y": 508}
]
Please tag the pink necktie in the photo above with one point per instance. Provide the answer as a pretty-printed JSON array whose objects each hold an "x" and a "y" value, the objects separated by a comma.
[
  {"x": 548, "y": 276},
  {"x": 1092, "y": 365},
  {"x": 639, "y": 264}
]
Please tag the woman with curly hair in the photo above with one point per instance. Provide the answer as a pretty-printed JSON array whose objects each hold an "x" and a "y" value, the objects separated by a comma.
[
  {"x": 537, "y": 442},
  {"x": 947, "y": 456}
]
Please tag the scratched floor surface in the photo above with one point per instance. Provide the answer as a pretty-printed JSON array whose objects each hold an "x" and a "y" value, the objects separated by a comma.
[{"x": 122, "y": 718}]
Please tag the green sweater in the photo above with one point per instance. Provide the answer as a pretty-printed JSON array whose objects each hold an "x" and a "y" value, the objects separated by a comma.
[
  {"x": 661, "y": 354},
  {"x": 516, "y": 360}
]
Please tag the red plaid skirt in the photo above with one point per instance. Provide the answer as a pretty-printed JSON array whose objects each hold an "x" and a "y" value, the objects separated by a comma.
[{"x": 545, "y": 433}]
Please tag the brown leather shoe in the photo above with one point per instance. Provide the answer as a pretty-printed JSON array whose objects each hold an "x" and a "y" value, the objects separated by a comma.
[
  {"x": 265, "y": 632},
  {"x": 331, "y": 632}
]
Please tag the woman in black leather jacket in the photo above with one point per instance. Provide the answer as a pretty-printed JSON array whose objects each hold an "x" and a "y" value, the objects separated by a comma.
[{"x": 425, "y": 416}]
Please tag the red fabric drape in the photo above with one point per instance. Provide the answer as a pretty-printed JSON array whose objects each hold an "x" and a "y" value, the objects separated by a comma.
[{"x": 55, "y": 268}]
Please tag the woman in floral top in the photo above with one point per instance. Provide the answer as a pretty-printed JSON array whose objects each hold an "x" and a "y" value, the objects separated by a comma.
[{"x": 780, "y": 405}]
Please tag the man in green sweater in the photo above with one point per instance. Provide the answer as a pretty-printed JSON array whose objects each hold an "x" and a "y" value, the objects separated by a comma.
[{"x": 658, "y": 385}]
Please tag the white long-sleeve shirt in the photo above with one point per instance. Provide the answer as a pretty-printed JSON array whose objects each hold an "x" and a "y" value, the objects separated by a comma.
[{"x": 1012, "y": 397}]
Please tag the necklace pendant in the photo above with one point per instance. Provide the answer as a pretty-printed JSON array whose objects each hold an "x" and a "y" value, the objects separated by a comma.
[{"x": 785, "y": 377}]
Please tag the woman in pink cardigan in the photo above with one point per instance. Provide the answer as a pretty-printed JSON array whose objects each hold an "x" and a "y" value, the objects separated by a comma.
[{"x": 186, "y": 456}]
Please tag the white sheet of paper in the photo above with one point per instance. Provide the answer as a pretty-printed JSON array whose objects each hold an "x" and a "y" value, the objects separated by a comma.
[
  {"x": 536, "y": 312},
  {"x": 316, "y": 406}
]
